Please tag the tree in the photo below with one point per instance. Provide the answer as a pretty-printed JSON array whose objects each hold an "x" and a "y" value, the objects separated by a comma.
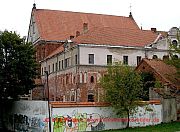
[
  {"x": 17, "y": 67},
  {"x": 174, "y": 52},
  {"x": 122, "y": 89}
]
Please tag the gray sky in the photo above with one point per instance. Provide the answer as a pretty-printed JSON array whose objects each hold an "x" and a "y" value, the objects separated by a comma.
[{"x": 162, "y": 14}]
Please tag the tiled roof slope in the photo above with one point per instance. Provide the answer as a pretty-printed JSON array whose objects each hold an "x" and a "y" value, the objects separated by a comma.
[
  {"x": 166, "y": 71},
  {"x": 117, "y": 36},
  {"x": 59, "y": 25},
  {"x": 56, "y": 51}
]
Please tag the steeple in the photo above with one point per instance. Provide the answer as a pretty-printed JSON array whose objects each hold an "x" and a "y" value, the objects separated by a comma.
[
  {"x": 34, "y": 5},
  {"x": 130, "y": 13}
]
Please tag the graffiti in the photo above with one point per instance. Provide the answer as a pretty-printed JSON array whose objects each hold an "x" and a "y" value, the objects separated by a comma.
[
  {"x": 24, "y": 123},
  {"x": 78, "y": 122}
]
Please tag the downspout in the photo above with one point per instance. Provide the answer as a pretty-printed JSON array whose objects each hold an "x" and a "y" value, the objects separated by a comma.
[
  {"x": 55, "y": 95},
  {"x": 77, "y": 71}
]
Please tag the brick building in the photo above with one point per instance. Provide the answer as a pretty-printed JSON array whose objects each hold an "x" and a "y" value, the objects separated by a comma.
[{"x": 75, "y": 49}]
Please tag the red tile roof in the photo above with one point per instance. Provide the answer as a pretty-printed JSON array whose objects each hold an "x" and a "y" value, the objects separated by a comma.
[
  {"x": 167, "y": 72},
  {"x": 60, "y": 25},
  {"x": 58, "y": 50},
  {"x": 117, "y": 36}
]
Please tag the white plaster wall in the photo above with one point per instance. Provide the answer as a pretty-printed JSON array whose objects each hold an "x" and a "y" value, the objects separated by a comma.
[
  {"x": 101, "y": 118},
  {"x": 33, "y": 36},
  {"x": 100, "y": 55},
  {"x": 162, "y": 44},
  {"x": 159, "y": 54}
]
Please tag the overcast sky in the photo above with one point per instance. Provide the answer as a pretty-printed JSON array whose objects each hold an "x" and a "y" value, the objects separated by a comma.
[{"x": 162, "y": 14}]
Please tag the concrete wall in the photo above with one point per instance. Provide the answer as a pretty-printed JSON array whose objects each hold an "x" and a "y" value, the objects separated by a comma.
[
  {"x": 28, "y": 116},
  {"x": 169, "y": 110}
]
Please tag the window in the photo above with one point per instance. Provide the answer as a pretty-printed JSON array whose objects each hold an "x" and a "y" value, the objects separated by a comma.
[
  {"x": 59, "y": 65},
  {"x": 90, "y": 98},
  {"x": 66, "y": 63},
  {"x": 33, "y": 27},
  {"x": 174, "y": 42},
  {"x": 91, "y": 58},
  {"x": 67, "y": 79},
  {"x": 85, "y": 77},
  {"x": 53, "y": 68},
  {"x": 80, "y": 77},
  {"x": 138, "y": 59},
  {"x": 165, "y": 57},
  {"x": 175, "y": 57},
  {"x": 155, "y": 57},
  {"x": 42, "y": 71},
  {"x": 92, "y": 79},
  {"x": 62, "y": 64},
  {"x": 72, "y": 95},
  {"x": 76, "y": 59},
  {"x": 56, "y": 66},
  {"x": 49, "y": 68},
  {"x": 109, "y": 59},
  {"x": 125, "y": 60}
]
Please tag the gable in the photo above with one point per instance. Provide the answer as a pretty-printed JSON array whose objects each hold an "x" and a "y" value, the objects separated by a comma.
[{"x": 162, "y": 71}]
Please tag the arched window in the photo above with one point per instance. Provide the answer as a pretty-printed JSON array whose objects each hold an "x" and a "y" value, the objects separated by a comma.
[
  {"x": 175, "y": 57},
  {"x": 174, "y": 42},
  {"x": 155, "y": 57},
  {"x": 80, "y": 77},
  {"x": 90, "y": 98},
  {"x": 165, "y": 57},
  {"x": 92, "y": 79},
  {"x": 85, "y": 77}
]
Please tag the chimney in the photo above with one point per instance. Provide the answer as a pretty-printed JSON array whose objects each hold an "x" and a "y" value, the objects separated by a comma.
[
  {"x": 71, "y": 37},
  {"x": 166, "y": 89},
  {"x": 153, "y": 29},
  {"x": 77, "y": 33},
  {"x": 85, "y": 27}
]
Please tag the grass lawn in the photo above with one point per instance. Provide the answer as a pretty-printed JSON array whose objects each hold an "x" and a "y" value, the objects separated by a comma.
[{"x": 165, "y": 127}]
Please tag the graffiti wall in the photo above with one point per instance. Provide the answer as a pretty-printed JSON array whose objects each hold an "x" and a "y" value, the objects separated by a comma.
[
  {"x": 32, "y": 116},
  {"x": 29, "y": 116},
  {"x": 76, "y": 119}
]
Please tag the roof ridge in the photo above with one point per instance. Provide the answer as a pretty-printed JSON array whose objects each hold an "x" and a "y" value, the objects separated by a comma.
[{"x": 83, "y": 12}]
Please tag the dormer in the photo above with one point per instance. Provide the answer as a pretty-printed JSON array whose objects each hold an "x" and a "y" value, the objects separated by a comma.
[
  {"x": 85, "y": 27},
  {"x": 67, "y": 45}
]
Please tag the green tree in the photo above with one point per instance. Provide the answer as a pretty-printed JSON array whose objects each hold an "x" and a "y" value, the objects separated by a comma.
[
  {"x": 174, "y": 52},
  {"x": 122, "y": 89},
  {"x": 17, "y": 67}
]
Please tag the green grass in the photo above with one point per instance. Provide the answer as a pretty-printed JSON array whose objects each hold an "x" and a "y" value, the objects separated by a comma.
[{"x": 164, "y": 127}]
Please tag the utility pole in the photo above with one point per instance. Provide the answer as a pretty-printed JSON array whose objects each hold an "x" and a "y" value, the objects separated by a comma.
[{"x": 47, "y": 81}]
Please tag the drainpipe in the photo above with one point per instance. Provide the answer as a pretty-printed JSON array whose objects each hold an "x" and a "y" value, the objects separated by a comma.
[
  {"x": 55, "y": 95},
  {"x": 77, "y": 71}
]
